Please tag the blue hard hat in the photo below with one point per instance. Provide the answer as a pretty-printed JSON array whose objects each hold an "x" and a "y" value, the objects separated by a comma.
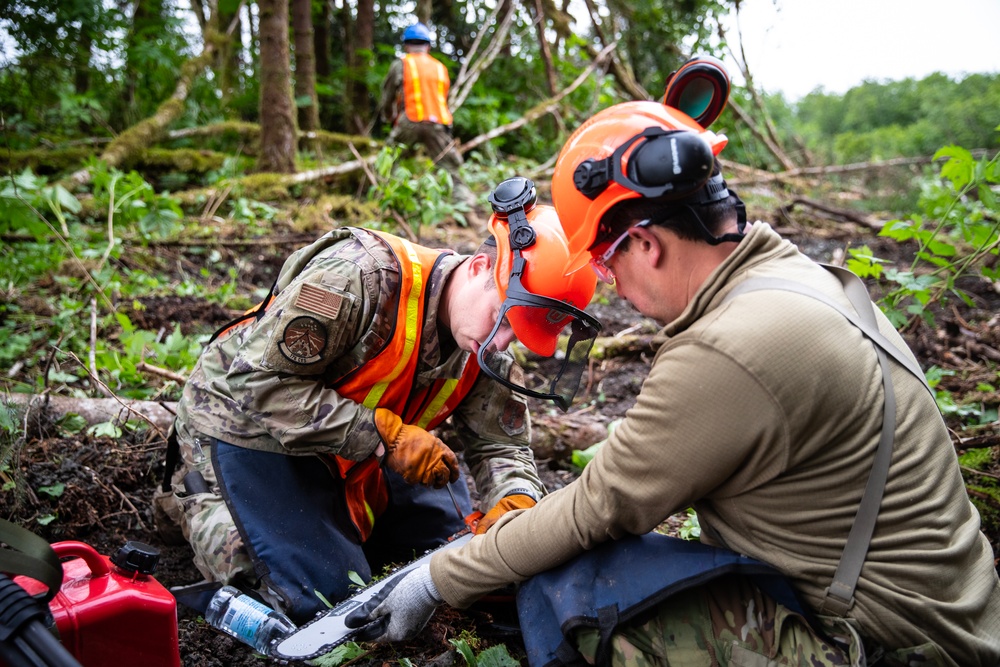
[{"x": 417, "y": 32}]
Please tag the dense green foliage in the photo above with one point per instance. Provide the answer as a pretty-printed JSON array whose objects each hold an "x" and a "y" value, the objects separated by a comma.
[
  {"x": 85, "y": 258},
  {"x": 83, "y": 69},
  {"x": 901, "y": 118}
]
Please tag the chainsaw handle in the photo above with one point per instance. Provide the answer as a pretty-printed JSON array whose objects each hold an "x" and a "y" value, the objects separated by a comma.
[
  {"x": 71, "y": 548},
  {"x": 472, "y": 520}
]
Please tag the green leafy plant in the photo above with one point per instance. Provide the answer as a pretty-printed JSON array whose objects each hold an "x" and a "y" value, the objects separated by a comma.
[
  {"x": 416, "y": 191},
  {"x": 691, "y": 528},
  {"x": 9, "y": 441},
  {"x": 53, "y": 491},
  {"x": 25, "y": 200},
  {"x": 969, "y": 413},
  {"x": 131, "y": 202},
  {"x": 494, "y": 656},
  {"x": 341, "y": 655},
  {"x": 581, "y": 457},
  {"x": 958, "y": 228}
]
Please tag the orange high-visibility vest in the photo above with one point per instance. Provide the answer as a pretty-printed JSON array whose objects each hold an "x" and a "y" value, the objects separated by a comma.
[
  {"x": 425, "y": 89},
  {"x": 386, "y": 381}
]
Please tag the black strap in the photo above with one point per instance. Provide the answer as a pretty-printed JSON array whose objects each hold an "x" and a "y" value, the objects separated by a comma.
[
  {"x": 256, "y": 313},
  {"x": 172, "y": 459},
  {"x": 840, "y": 594},
  {"x": 30, "y": 556},
  {"x": 607, "y": 621}
]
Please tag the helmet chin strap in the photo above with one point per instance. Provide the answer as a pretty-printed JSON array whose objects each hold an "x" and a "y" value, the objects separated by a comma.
[{"x": 715, "y": 190}]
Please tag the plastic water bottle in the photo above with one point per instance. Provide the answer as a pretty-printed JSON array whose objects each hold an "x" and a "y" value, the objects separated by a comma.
[{"x": 246, "y": 619}]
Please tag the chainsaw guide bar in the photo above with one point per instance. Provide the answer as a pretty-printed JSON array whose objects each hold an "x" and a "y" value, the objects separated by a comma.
[{"x": 327, "y": 630}]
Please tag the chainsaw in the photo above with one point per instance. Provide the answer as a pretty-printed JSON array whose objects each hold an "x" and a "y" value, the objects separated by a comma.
[{"x": 327, "y": 630}]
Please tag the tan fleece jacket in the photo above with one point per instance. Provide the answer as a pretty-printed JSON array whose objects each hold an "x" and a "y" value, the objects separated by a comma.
[{"x": 765, "y": 414}]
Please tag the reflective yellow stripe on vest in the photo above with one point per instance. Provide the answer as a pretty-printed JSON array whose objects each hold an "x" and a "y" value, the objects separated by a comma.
[
  {"x": 411, "y": 65},
  {"x": 442, "y": 77},
  {"x": 412, "y": 303},
  {"x": 435, "y": 405}
]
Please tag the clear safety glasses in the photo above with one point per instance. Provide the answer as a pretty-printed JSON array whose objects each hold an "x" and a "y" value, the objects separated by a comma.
[{"x": 599, "y": 262}]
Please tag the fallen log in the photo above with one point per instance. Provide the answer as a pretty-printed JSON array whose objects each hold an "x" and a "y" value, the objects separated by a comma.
[{"x": 160, "y": 414}]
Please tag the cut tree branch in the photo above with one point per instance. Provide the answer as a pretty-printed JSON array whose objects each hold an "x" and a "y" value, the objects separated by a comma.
[
  {"x": 626, "y": 80},
  {"x": 538, "y": 110},
  {"x": 466, "y": 80}
]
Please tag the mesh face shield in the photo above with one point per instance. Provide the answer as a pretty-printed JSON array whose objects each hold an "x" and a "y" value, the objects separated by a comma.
[{"x": 556, "y": 330}]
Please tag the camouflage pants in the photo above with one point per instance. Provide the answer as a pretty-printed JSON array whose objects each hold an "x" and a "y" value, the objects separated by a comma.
[
  {"x": 730, "y": 622},
  {"x": 202, "y": 517},
  {"x": 726, "y": 622}
]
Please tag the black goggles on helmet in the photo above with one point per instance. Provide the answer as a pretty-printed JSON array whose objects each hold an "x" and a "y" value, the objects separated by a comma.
[
  {"x": 571, "y": 330},
  {"x": 675, "y": 165}
]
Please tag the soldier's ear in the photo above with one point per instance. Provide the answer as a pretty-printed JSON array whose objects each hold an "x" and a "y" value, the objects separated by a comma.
[{"x": 479, "y": 263}]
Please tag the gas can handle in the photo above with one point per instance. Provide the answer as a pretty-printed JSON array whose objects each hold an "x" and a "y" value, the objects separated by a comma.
[{"x": 98, "y": 565}]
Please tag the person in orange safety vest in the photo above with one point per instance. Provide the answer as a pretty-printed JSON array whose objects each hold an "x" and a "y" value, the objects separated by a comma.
[
  {"x": 415, "y": 102},
  {"x": 303, "y": 447}
]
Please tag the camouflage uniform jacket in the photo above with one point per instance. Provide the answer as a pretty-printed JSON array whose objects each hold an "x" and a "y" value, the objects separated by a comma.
[
  {"x": 764, "y": 413},
  {"x": 249, "y": 389},
  {"x": 390, "y": 105}
]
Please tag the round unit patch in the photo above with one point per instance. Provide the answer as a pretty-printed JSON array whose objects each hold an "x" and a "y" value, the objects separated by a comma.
[{"x": 304, "y": 340}]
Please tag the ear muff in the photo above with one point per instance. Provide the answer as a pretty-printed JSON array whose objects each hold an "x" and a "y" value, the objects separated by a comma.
[
  {"x": 700, "y": 88},
  {"x": 664, "y": 162},
  {"x": 682, "y": 160}
]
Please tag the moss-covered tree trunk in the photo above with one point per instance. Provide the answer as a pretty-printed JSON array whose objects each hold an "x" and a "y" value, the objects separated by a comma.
[
  {"x": 277, "y": 118},
  {"x": 150, "y": 130},
  {"x": 305, "y": 65}
]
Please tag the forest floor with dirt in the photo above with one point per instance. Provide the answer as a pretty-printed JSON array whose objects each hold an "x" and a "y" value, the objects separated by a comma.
[{"x": 108, "y": 483}]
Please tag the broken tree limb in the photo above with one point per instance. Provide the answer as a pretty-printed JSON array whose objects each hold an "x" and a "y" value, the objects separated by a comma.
[
  {"x": 608, "y": 347},
  {"x": 842, "y": 213},
  {"x": 775, "y": 150},
  {"x": 97, "y": 410},
  {"x": 323, "y": 172},
  {"x": 761, "y": 176},
  {"x": 162, "y": 372},
  {"x": 755, "y": 97},
  {"x": 538, "y": 110},
  {"x": 621, "y": 73},
  {"x": 466, "y": 80},
  {"x": 150, "y": 130},
  {"x": 543, "y": 44}
]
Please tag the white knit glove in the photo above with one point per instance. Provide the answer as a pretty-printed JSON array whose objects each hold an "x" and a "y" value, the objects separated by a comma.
[{"x": 400, "y": 610}]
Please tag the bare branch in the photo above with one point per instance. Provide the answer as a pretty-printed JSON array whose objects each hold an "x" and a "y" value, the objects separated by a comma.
[{"x": 539, "y": 109}]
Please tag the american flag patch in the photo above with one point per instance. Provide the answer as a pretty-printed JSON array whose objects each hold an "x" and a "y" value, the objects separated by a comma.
[{"x": 320, "y": 301}]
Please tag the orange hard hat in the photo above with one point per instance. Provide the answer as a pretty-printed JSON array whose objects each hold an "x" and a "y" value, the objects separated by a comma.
[
  {"x": 671, "y": 156},
  {"x": 546, "y": 274}
]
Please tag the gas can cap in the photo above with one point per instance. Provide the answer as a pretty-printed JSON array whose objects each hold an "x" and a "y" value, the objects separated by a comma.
[{"x": 137, "y": 557}]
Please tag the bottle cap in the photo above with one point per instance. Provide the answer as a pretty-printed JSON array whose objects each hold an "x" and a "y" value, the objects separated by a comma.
[{"x": 137, "y": 557}]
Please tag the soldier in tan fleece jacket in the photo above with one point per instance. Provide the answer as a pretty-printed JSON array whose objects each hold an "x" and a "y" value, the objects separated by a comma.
[{"x": 763, "y": 409}]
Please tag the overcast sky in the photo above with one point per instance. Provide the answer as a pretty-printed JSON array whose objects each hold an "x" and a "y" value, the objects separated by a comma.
[{"x": 796, "y": 46}]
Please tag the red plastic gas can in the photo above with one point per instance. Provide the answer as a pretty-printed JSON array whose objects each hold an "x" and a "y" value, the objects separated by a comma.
[{"x": 108, "y": 612}]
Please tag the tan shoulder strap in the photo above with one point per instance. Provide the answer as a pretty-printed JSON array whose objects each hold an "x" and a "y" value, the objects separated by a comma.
[{"x": 840, "y": 593}]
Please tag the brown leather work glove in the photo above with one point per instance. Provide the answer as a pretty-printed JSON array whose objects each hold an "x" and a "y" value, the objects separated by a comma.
[
  {"x": 516, "y": 501},
  {"x": 418, "y": 456}
]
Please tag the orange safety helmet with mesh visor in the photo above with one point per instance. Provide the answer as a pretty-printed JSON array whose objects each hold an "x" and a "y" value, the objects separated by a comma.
[
  {"x": 627, "y": 151},
  {"x": 542, "y": 300}
]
